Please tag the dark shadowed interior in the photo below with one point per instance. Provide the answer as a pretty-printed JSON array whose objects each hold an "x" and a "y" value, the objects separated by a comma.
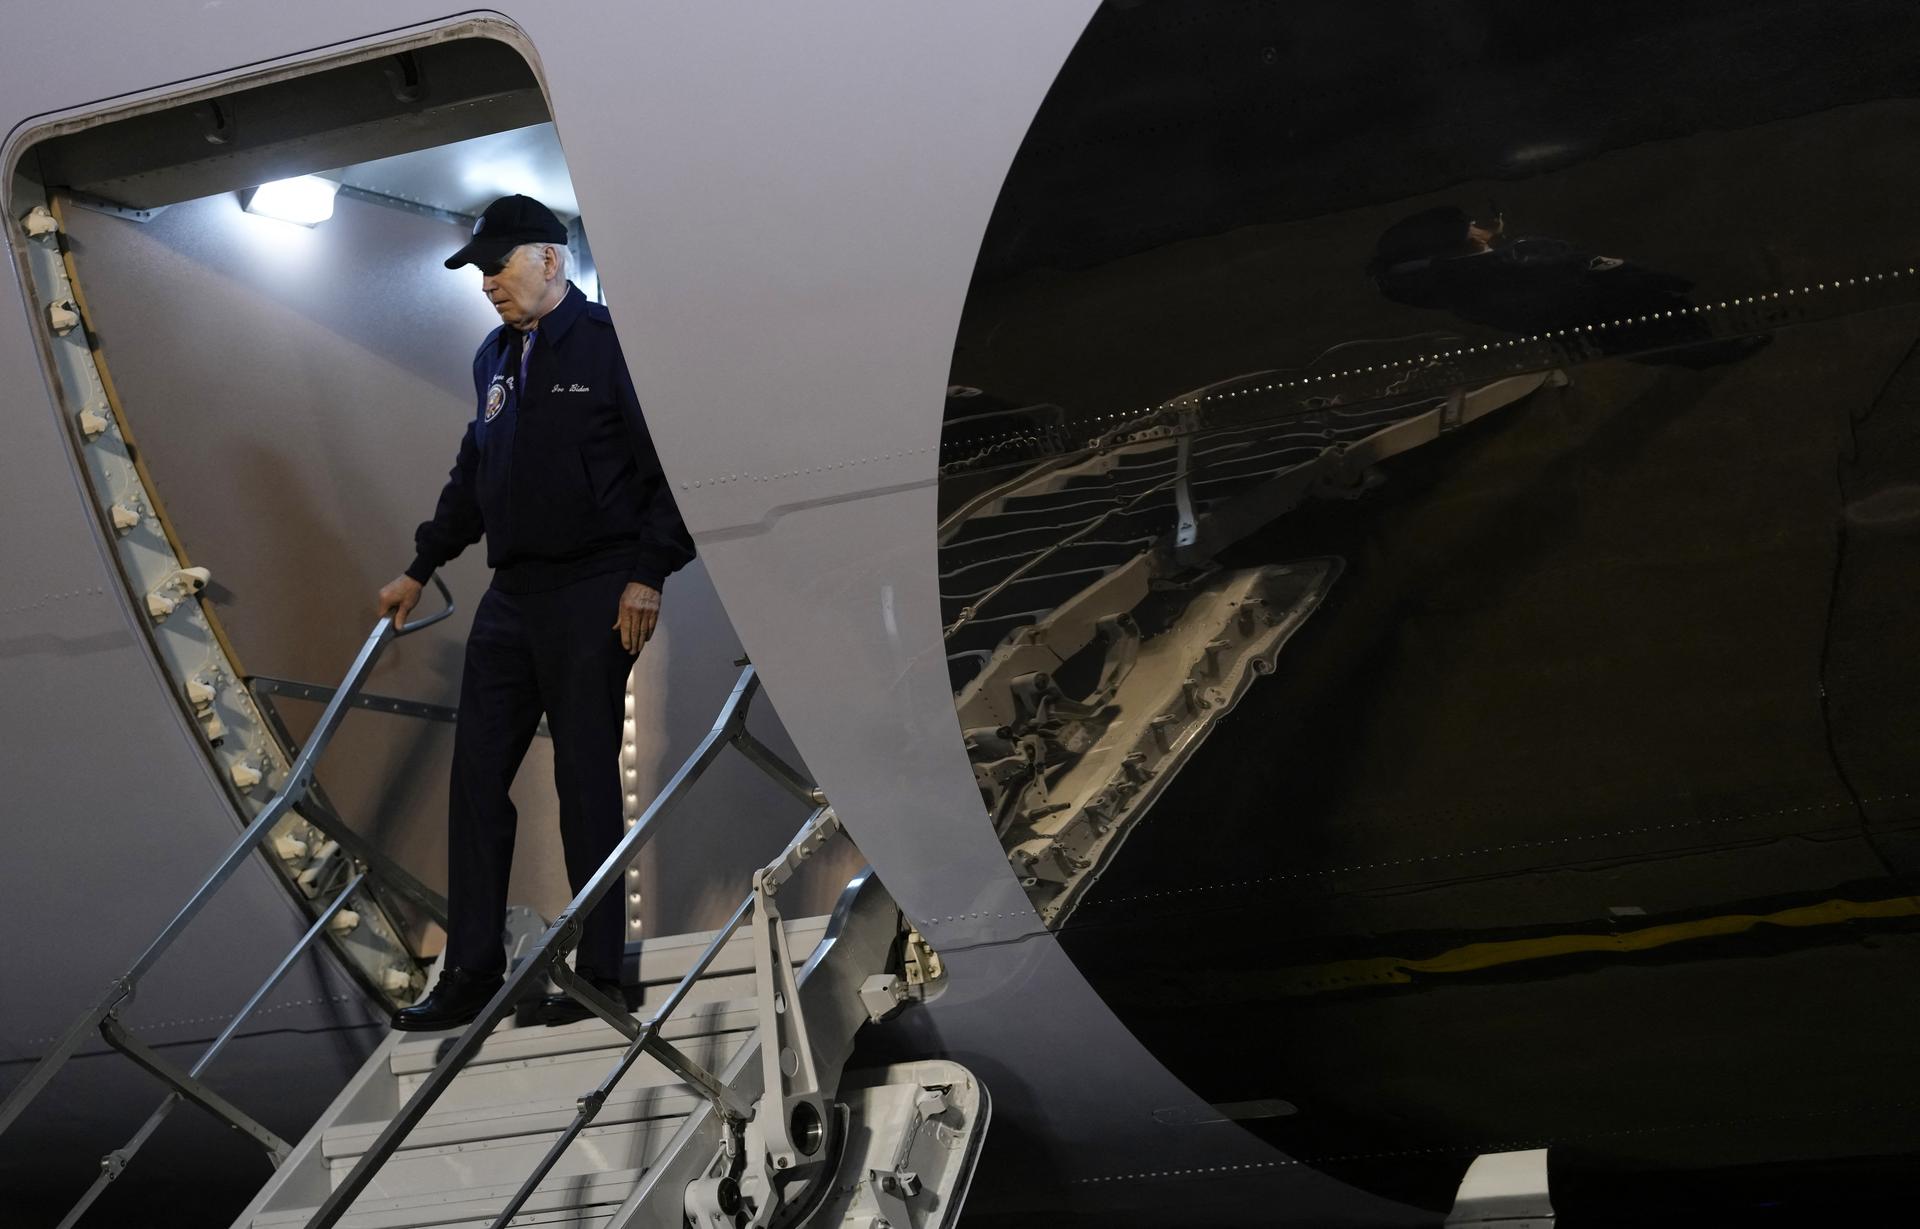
[{"x": 1580, "y": 809}]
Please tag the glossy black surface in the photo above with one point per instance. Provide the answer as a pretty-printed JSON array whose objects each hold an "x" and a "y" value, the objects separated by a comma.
[{"x": 1583, "y": 812}]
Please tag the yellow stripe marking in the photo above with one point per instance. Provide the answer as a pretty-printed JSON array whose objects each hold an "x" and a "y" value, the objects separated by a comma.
[{"x": 1398, "y": 970}]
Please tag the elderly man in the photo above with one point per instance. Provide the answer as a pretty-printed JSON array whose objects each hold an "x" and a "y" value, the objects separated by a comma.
[{"x": 557, "y": 470}]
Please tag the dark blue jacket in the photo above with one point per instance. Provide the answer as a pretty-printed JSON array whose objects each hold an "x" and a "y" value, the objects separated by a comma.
[{"x": 560, "y": 475}]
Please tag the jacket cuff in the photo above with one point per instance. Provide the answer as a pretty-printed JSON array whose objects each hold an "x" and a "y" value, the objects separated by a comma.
[
  {"x": 422, "y": 569},
  {"x": 647, "y": 569}
]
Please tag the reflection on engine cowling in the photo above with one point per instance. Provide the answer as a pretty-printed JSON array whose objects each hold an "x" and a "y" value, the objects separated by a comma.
[
  {"x": 1092, "y": 637},
  {"x": 1426, "y": 539}
]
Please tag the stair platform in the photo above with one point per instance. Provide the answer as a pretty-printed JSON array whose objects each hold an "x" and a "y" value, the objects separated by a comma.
[{"x": 494, "y": 1123}]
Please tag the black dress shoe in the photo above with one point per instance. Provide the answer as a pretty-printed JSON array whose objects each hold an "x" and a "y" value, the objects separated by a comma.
[
  {"x": 457, "y": 999},
  {"x": 562, "y": 1008}
]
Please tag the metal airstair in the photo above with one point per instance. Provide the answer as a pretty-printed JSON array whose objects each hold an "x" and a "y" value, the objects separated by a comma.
[
  {"x": 666, "y": 1114},
  {"x": 660, "y": 1150}
]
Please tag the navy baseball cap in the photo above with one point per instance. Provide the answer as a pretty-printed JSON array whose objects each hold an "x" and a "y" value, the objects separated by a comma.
[{"x": 504, "y": 226}]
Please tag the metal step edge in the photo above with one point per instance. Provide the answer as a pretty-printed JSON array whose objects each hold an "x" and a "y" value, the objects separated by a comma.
[
  {"x": 475, "y": 1205},
  {"x": 542, "y": 1220},
  {"x": 625, "y": 1104},
  {"x": 665, "y": 960},
  {"x": 597, "y": 1217},
  {"x": 520, "y": 1044},
  {"x": 635, "y": 1145},
  {"x": 507, "y": 1084}
]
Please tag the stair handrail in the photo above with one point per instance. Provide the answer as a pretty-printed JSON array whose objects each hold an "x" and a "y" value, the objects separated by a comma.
[
  {"x": 547, "y": 957},
  {"x": 318, "y": 810},
  {"x": 820, "y": 826},
  {"x": 103, "y": 1016}
]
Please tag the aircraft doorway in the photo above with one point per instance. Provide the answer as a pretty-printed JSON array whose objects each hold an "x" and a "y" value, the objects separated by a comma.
[{"x": 271, "y": 394}]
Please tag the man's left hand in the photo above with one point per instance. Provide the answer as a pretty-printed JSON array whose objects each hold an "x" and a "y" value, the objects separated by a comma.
[{"x": 639, "y": 611}]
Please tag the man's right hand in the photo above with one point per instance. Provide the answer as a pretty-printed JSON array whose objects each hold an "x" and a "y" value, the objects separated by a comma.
[{"x": 400, "y": 596}]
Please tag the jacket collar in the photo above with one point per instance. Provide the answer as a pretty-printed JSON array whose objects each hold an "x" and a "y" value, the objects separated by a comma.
[{"x": 554, "y": 325}]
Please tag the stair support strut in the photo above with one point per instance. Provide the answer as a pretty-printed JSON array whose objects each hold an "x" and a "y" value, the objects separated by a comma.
[
  {"x": 547, "y": 960},
  {"x": 115, "y": 1163}
]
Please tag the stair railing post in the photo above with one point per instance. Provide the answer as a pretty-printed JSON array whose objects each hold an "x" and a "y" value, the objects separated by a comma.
[
  {"x": 115, "y": 1163},
  {"x": 542, "y": 961},
  {"x": 243, "y": 847},
  {"x": 589, "y": 1106},
  {"x": 820, "y": 827}
]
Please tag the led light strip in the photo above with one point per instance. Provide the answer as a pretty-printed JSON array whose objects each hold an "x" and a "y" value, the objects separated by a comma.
[{"x": 630, "y": 804}]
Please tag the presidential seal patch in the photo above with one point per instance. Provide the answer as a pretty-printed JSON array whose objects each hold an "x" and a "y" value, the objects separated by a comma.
[{"x": 496, "y": 397}]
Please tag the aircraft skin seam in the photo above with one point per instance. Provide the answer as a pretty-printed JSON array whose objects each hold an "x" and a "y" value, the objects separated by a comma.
[
  {"x": 223, "y": 1017},
  {"x": 724, "y": 479},
  {"x": 1598, "y": 326},
  {"x": 45, "y": 599},
  {"x": 1516, "y": 1145}
]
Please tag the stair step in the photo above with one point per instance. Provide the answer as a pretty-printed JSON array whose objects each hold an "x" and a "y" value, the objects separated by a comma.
[
  {"x": 520, "y": 1045},
  {"x": 493, "y": 1123},
  {"x": 728, "y": 982},
  {"x": 511, "y": 1083},
  {"x": 629, "y": 1102},
  {"x": 665, "y": 960},
  {"x": 598, "y": 1216},
  {"x": 580, "y": 1200},
  {"x": 453, "y": 1167}
]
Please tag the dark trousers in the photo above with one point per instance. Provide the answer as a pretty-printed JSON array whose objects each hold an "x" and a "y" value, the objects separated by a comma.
[{"x": 555, "y": 652}]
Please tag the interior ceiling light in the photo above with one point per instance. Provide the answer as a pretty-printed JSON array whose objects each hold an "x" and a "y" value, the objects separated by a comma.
[{"x": 306, "y": 199}]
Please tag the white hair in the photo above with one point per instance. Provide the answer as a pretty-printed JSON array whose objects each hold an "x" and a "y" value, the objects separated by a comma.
[{"x": 560, "y": 253}]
